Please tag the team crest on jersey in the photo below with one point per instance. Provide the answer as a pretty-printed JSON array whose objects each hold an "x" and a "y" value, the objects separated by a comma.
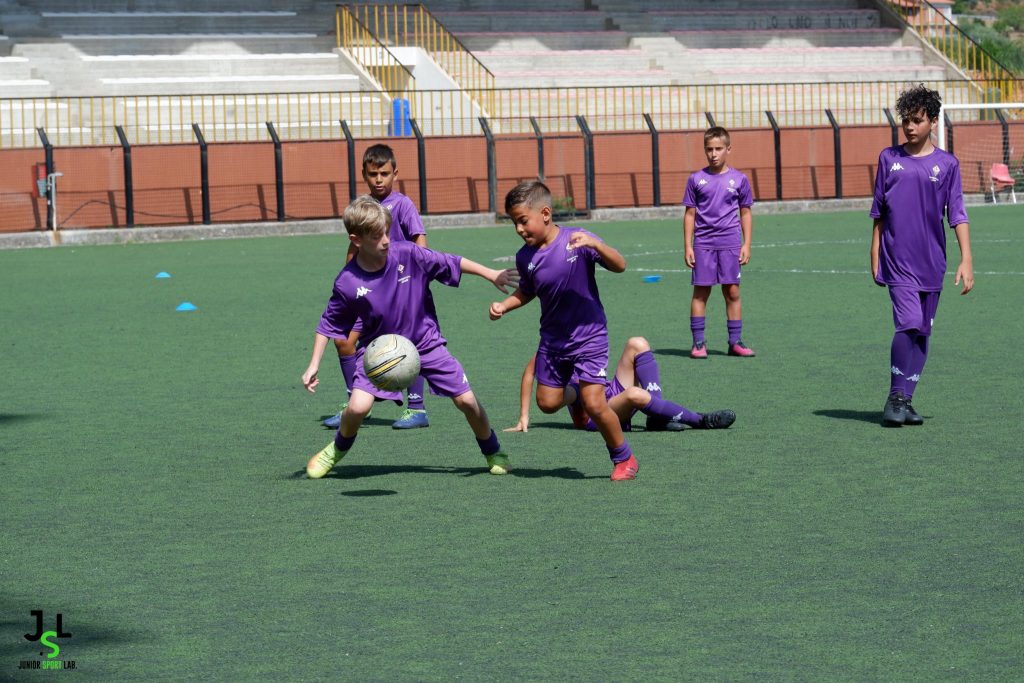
[
  {"x": 934, "y": 177},
  {"x": 401, "y": 268},
  {"x": 732, "y": 182},
  {"x": 896, "y": 166}
]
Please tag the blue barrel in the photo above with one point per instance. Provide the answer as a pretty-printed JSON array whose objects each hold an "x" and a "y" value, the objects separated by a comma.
[{"x": 399, "y": 125}]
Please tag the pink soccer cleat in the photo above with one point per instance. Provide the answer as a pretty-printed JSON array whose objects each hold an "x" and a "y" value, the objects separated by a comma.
[
  {"x": 625, "y": 470},
  {"x": 740, "y": 349},
  {"x": 699, "y": 350}
]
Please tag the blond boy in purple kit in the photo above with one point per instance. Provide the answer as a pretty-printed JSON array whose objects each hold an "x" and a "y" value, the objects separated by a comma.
[
  {"x": 915, "y": 185},
  {"x": 717, "y": 229},
  {"x": 556, "y": 265},
  {"x": 385, "y": 288},
  {"x": 379, "y": 171}
]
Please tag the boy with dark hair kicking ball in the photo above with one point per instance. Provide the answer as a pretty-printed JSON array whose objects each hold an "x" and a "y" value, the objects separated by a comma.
[
  {"x": 915, "y": 185},
  {"x": 556, "y": 265},
  {"x": 636, "y": 386},
  {"x": 379, "y": 172},
  {"x": 385, "y": 288},
  {"x": 717, "y": 228}
]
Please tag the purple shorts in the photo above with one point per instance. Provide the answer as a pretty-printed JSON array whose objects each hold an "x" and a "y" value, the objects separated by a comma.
[
  {"x": 913, "y": 309},
  {"x": 439, "y": 367},
  {"x": 715, "y": 267},
  {"x": 557, "y": 369},
  {"x": 612, "y": 389}
]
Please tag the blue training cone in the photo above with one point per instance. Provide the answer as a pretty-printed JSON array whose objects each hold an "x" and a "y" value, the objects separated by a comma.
[
  {"x": 162, "y": 275},
  {"x": 186, "y": 306},
  {"x": 652, "y": 278}
]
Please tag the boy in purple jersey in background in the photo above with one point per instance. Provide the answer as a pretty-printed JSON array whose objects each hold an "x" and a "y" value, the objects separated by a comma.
[
  {"x": 379, "y": 172},
  {"x": 915, "y": 185},
  {"x": 385, "y": 288},
  {"x": 717, "y": 229},
  {"x": 635, "y": 386},
  {"x": 557, "y": 265}
]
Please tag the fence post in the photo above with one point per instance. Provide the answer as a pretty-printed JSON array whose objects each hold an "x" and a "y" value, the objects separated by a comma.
[
  {"x": 421, "y": 152},
  {"x": 48, "y": 151},
  {"x": 129, "y": 188},
  {"x": 838, "y": 153},
  {"x": 350, "y": 153},
  {"x": 540, "y": 147},
  {"x": 711, "y": 119},
  {"x": 949, "y": 133},
  {"x": 655, "y": 160},
  {"x": 1006, "y": 136},
  {"x": 204, "y": 173},
  {"x": 777, "y": 134},
  {"x": 278, "y": 171},
  {"x": 588, "y": 163},
  {"x": 892, "y": 126},
  {"x": 492, "y": 168}
]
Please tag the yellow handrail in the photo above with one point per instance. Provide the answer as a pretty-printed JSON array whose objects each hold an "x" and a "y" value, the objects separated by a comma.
[
  {"x": 373, "y": 56},
  {"x": 164, "y": 119}
]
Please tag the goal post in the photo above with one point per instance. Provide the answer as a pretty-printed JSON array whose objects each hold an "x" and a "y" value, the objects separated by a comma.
[{"x": 988, "y": 140}]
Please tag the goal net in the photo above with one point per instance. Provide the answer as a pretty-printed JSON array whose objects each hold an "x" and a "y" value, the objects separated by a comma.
[{"x": 988, "y": 139}]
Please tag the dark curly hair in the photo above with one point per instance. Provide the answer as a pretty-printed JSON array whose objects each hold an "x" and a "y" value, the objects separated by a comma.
[{"x": 919, "y": 98}]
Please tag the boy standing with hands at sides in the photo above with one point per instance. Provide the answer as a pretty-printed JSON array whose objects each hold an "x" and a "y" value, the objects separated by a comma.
[
  {"x": 915, "y": 185},
  {"x": 717, "y": 229},
  {"x": 379, "y": 171},
  {"x": 384, "y": 287},
  {"x": 557, "y": 265}
]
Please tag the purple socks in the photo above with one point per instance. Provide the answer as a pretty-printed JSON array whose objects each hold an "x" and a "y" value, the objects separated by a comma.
[
  {"x": 659, "y": 407},
  {"x": 647, "y": 374},
  {"x": 735, "y": 331},
  {"x": 620, "y": 453},
  {"x": 697, "y": 329},
  {"x": 343, "y": 443},
  {"x": 901, "y": 361},
  {"x": 416, "y": 390},
  {"x": 490, "y": 445}
]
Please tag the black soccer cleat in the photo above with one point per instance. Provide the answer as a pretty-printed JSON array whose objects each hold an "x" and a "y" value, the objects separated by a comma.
[
  {"x": 895, "y": 412},
  {"x": 913, "y": 419},
  {"x": 720, "y": 419}
]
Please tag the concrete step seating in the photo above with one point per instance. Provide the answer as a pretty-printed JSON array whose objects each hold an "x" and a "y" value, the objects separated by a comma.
[
  {"x": 548, "y": 40},
  {"x": 796, "y": 38},
  {"x": 775, "y": 20},
  {"x": 813, "y": 58},
  {"x": 533, "y": 21},
  {"x": 181, "y": 21},
  {"x": 212, "y": 64}
]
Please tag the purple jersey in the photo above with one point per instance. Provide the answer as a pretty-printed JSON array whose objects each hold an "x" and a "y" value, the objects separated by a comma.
[
  {"x": 405, "y": 219},
  {"x": 394, "y": 299},
  {"x": 718, "y": 198},
  {"x": 911, "y": 196},
  {"x": 571, "y": 315}
]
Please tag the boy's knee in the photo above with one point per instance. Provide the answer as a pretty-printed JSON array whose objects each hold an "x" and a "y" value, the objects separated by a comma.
[
  {"x": 637, "y": 397},
  {"x": 638, "y": 344},
  {"x": 549, "y": 404},
  {"x": 344, "y": 347},
  {"x": 465, "y": 402}
]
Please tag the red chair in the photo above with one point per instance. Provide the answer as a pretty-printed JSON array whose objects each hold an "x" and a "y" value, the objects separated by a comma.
[{"x": 1000, "y": 179}]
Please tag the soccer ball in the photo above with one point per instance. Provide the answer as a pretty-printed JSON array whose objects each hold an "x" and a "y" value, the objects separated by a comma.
[{"x": 391, "y": 362}]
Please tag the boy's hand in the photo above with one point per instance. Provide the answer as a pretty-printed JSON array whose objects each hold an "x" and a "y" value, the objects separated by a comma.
[
  {"x": 965, "y": 271},
  {"x": 691, "y": 259},
  {"x": 744, "y": 255},
  {"x": 310, "y": 380},
  {"x": 506, "y": 278},
  {"x": 497, "y": 310},
  {"x": 522, "y": 426},
  {"x": 582, "y": 239}
]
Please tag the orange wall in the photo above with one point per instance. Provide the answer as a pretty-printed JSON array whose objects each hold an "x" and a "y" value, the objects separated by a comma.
[{"x": 167, "y": 177}]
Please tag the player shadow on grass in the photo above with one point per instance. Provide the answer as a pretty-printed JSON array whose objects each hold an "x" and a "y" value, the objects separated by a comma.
[
  {"x": 367, "y": 422},
  {"x": 6, "y": 418},
  {"x": 355, "y": 471},
  {"x": 872, "y": 416},
  {"x": 685, "y": 353}
]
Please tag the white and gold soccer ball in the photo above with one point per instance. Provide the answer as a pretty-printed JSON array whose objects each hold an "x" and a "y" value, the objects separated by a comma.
[{"x": 391, "y": 362}]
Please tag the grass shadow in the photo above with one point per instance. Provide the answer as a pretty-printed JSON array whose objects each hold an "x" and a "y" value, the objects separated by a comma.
[
  {"x": 363, "y": 471},
  {"x": 369, "y": 493},
  {"x": 20, "y": 417},
  {"x": 685, "y": 353},
  {"x": 871, "y": 416}
]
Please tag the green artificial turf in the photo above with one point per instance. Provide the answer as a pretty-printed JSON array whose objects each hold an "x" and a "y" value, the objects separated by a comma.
[{"x": 153, "y": 491}]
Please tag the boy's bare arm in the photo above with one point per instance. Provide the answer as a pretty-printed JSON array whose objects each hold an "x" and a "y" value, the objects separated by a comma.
[
  {"x": 502, "y": 279},
  {"x": 500, "y": 308},
  {"x": 747, "y": 226},
  {"x": 420, "y": 241},
  {"x": 610, "y": 256},
  {"x": 965, "y": 270},
  {"x": 525, "y": 394},
  {"x": 876, "y": 243},
  {"x": 689, "y": 219},
  {"x": 309, "y": 377}
]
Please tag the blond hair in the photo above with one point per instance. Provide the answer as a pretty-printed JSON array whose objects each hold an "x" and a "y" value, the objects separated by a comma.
[{"x": 366, "y": 217}]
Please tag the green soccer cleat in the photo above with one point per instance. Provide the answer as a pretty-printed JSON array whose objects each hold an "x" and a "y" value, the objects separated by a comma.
[
  {"x": 497, "y": 463},
  {"x": 323, "y": 462}
]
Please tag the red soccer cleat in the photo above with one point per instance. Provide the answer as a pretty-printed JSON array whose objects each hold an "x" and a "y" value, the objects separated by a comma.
[
  {"x": 740, "y": 349},
  {"x": 625, "y": 470},
  {"x": 699, "y": 350}
]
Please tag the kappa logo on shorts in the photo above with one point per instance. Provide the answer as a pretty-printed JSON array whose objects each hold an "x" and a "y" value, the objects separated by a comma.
[
  {"x": 362, "y": 291},
  {"x": 465, "y": 380},
  {"x": 602, "y": 373},
  {"x": 896, "y": 166}
]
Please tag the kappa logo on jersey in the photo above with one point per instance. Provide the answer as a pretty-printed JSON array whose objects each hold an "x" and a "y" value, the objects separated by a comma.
[
  {"x": 896, "y": 166},
  {"x": 702, "y": 182},
  {"x": 362, "y": 291},
  {"x": 652, "y": 386},
  {"x": 531, "y": 266}
]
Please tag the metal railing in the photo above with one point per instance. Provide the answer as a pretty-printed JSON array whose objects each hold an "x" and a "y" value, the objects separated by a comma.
[
  {"x": 76, "y": 121},
  {"x": 952, "y": 43},
  {"x": 414, "y": 26},
  {"x": 373, "y": 56}
]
